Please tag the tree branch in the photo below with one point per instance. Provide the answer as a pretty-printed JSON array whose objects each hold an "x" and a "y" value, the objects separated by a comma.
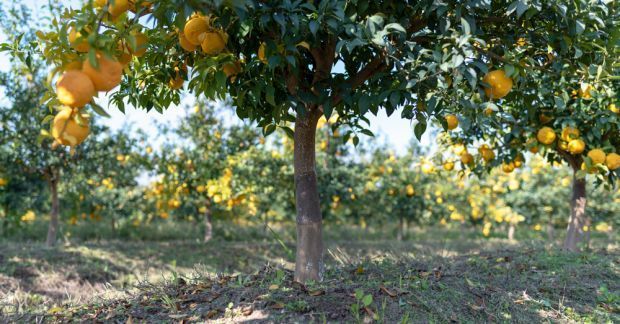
[{"x": 354, "y": 81}]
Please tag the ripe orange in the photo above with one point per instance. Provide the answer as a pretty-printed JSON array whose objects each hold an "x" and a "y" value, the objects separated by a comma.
[
  {"x": 72, "y": 66},
  {"x": 508, "y": 167},
  {"x": 448, "y": 166},
  {"x": 546, "y": 135},
  {"x": 452, "y": 121},
  {"x": 75, "y": 89},
  {"x": 78, "y": 41},
  {"x": 576, "y": 146},
  {"x": 570, "y": 133},
  {"x": 232, "y": 69},
  {"x": 467, "y": 158},
  {"x": 213, "y": 42},
  {"x": 195, "y": 27},
  {"x": 185, "y": 43},
  {"x": 612, "y": 107},
  {"x": 118, "y": 8},
  {"x": 613, "y": 161},
  {"x": 499, "y": 84},
  {"x": 66, "y": 129},
  {"x": 107, "y": 75},
  {"x": 141, "y": 44},
  {"x": 261, "y": 53},
  {"x": 486, "y": 153},
  {"x": 137, "y": 5},
  {"x": 597, "y": 156},
  {"x": 177, "y": 82}
]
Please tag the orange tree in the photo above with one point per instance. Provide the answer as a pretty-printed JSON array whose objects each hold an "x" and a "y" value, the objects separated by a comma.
[
  {"x": 553, "y": 91},
  {"x": 295, "y": 61}
]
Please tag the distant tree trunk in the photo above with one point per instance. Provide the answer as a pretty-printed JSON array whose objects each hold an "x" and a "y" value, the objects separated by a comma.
[
  {"x": 577, "y": 218},
  {"x": 52, "y": 228},
  {"x": 550, "y": 229},
  {"x": 208, "y": 225},
  {"x": 400, "y": 234},
  {"x": 511, "y": 232},
  {"x": 309, "y": 259}
]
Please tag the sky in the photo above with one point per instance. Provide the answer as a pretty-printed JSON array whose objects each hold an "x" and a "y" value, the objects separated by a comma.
[{"x": 393, "y": 131}]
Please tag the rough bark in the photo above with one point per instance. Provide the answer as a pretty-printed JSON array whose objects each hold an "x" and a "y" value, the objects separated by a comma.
[
  {"x": 208, "y": 226},
  {"x": 400, "y": 234},
  {"x": 309, "y": 260},
  {"x": 577, "y": 218},
  {"x": 52, "y": 228}
]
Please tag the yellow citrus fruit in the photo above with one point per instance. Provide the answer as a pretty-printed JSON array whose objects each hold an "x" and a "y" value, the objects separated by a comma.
[
  {"x": 177, "y": 82},
  {"x": 612, "y": 107},
  {"x": 467, "y": 158},
  {"x": 185, "y": 43},
  {"x": 107, "y": 75},
  {"x": 195, "y": 27},
  {"x": 78, "y": 41},
  {"x": 546, "y": 135},
  {"x": 448, "y": 166},
  {"x": 592, "y": 169},
  {"x": 66, "y": 130},
  {"x": 576, "y": 146},
  {"x": 213, "y": 42},
  {"x": 613, "y": 161},
  {"x": 499, "y": 84},
  {"x": 125, "y": 56},
  {"x": 508, "y": 167},
  {"x": 597, "y": 156},
  {"x": 261, "y": 53},
  {"x": 532, "y": 145},
  {"x": 410, "y": 190},
  {"x": 452, "y": 121},
  {"x": 544, "y": 118},
  {"x": 585, "y": 91},
  {"x": 570, "y": 133},
  {"x": 427, "y": 168},
  {"x": 137, "y": 5},
  {"x": 141, "y": 44},
  {"x": 75, "y": 89},
  {"x": 118, "y": 8},
  {"x": 459, "y": 149},
  {"x": 232, "y": 69},
  {"x": 486, "y": 153}
]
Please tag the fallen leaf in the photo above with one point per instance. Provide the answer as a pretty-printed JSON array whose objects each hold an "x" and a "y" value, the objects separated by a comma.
[
  {"x": 316, "y": 292},
  {"x": 388, "y": 292},
  {"x": 212, "y": 313},
  {"x": 54, "y": 310},
  {"x": 370, "y": 312},
  {"x": 247, "y": 311},
  {"x": 277, "y": 306},
  {"x": 274, "y": 287}
]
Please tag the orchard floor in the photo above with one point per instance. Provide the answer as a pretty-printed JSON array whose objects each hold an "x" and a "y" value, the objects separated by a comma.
[{"x": 436, "y": 275}]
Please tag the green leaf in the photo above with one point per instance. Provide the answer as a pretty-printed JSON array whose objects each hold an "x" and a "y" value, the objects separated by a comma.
[
  {"x": 270, "y": 95},
  {"x": 99, "y": 110},
  {"x": 268, "y": 129},
  {"x": 367, "y": 300},
  {"x": 419, "y": 130}
]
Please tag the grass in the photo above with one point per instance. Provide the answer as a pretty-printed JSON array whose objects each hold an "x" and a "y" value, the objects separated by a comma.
[{"x": 437, "y": 275}]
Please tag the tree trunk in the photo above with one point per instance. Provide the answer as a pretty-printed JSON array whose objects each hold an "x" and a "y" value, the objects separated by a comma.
[
  {"x": 400, "y": 233},
  {"x": 309, "y": 260},
  {"x": 52, "y": 228},
  {"x": 511, "y": 232},
  {"x": 577, "y": 218},
  {"x": 208, "y": 226},
  {"x": 550, "y": 229}
]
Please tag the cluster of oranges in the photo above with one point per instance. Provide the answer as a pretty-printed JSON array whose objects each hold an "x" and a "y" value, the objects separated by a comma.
[
  {"x": 570, "y": 141},
  {"x": 81, "y": 80}
]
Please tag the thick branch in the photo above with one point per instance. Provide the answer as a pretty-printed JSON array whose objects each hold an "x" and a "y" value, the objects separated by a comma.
[{"x": 354, "y": 81}]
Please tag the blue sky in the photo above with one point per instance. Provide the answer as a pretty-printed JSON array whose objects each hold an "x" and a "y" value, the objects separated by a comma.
[{"x": 394, "y": 131}]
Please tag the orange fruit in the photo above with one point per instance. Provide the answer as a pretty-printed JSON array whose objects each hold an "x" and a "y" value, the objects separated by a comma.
[
  {"x": 452, "y": 121},
  {"x": 185, "y": 43},
  {"x": 486, "y": 153},
  {"x": 585, "y": 91},
  {"x": 195, "y": 27},
  {"x": 546, "y": 135},
  {"x": 576, "y": 146},
  {"x": 177, "y": 82},
  {"x": 597, "y": 156},
  {"x": 448, "y": 166},
  {"x": 544, "y": 118},
  {"x": 141, "y": 44},
  {"x": 72, "y": 66},
  {"x": 137, "y": 5},
  {"x": 467, "y": 158},
  {"x": 213, "y": 42},
  {"x": 118, "y": 8},
  {"x": 261, "y": 53},
  {"x": 78, "y": 41},
  {"x": 613, "y": 161},
  {"x": 66, "y": 130},
  {"x": 570, "y": 133},
  {"x": 107, "y": 75},
  {"x": 508, "y": 167},
  {"x": 499, "y": 84},
  {"x": 232, "y": 69},
  {"x": 75, "y": 89},
  {"x": 612, "y": 107}
]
